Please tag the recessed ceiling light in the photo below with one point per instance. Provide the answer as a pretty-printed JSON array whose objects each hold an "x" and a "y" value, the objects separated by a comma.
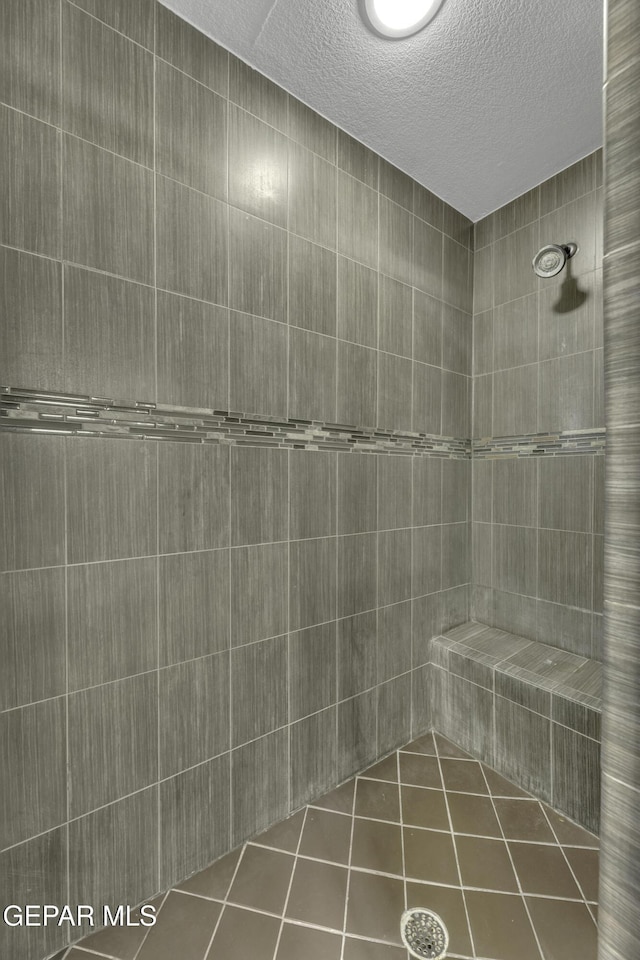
[{"x": 400, "y": 18}]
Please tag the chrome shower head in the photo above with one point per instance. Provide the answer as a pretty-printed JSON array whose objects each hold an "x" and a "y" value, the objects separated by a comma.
[{"x": 551, "y": 259}]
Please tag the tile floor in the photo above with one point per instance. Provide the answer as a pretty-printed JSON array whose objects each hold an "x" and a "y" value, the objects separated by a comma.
[{"x": 427, "y": 826}]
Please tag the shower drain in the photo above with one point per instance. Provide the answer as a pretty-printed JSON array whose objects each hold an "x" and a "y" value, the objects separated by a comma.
[{"x": 423, "y": 933}]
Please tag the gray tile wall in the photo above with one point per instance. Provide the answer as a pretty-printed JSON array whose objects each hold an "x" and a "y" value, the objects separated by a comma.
[
  {"x": 537, "y": 531},
  {"x": 619, "y": 922},
  {"x": 186, "y": 621}
]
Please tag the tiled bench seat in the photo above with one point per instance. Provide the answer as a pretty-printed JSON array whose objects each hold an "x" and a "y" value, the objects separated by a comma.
[{"x": 528, "y": 709}]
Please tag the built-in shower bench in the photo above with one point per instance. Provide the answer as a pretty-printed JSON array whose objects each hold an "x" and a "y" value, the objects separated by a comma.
[{"x": 530, "y": 710}]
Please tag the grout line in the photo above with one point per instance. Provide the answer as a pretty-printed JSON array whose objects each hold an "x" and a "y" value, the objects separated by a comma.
[
  {"x": 455, "y": 849},
  {"x": 346, "y": 898},
  {"x": 513, "y": 867},
  {"x": 573, "y": 874},
  {"x": 293, "y": 870}
]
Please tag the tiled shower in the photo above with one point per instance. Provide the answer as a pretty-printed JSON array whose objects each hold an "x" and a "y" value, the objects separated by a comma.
[{"x": 276, "y": 423}]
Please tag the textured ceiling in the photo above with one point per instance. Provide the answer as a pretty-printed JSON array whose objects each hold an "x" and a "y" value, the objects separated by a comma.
[{"x": 491, "y": 98}]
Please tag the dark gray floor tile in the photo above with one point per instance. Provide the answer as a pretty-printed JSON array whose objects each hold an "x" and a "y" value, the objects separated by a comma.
[
  {"x": 107, "y": 87},
  {"x": 116, "y": 195},
  {"x": 258, "y": 689},
  {"x": 326, "y": 836},
  {"x": 340, "y": 799},
  {"x": 34, "y": 756},
  {"x": 259, "y": 596},
  {"x": 377, "y": 846},
  {"x": 32, "y": 636},
  {"x": 312, "y": 494},
  {"x": 193, "y": 606},
  {"x": 523, "y": 820},
  {"x": 258, "y": 495},
  {"x": 191, "y": 132},
  {"x": 243, "y": 932},
  {"x": 585, "y": 865},
  {"x": 473, "y": 815},
  {"x": 312, "y": 582},
  {"x": 313, "y": 746},
  {"x": 113, "y": 731},
  {"x": 312, "y": 196},
  {"x": 193, "y": 707},
  {"x": 543, "y": 870},
  {"x": 258, "y": 267},
  {"x": 420, "y": 771},
  {"x": 31, "y": 338},
  {"x": 109, "y": 348},
  {"x": 184, "y": 925},
  {"x": 264, "y": 195},
  {"x": 312, "y": 286},
  {"x": 564, "y": 929},
  {"x": 30, "y": 178},
  {"x": 194, "y": 819},
  {"x": 264, "y": 761},
  {"x": 283, "y": 835},
  {"x": 424, "y": 808},
  {"x": 193, "y": 483},
  {"x": 430, "y": 856},
  {"x": 214, "y": 881},
  {"x": 257, "y": 366},
  {"x": 191, "y": 232},
  {"x": 326, "y": 907},
  {"x": 312, "y": 670},
  {"x": 500, "y": 926},
  {"x": 485, "y": 864},
  {"x": 192, "y": 352},
  {"x": 113, "y": 853},
  {"x": 262, "y": 879},
  {"x": 298, "y": 941},
  {"x": 112, "y": 621},
  {"x": 121, "y": 477},
  {"x": 375, "y": 903}
]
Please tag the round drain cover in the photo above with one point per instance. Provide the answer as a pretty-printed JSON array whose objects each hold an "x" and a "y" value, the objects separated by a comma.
[{"x": 423, "y": 933}]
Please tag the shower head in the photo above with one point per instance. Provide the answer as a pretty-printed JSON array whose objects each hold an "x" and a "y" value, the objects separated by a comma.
[{"x": 551, "y": 259}]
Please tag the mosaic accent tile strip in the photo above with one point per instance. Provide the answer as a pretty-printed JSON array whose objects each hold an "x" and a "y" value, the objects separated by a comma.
[
  {"x": 576, "y": 442},
  {"x": 54, "y": 413}
]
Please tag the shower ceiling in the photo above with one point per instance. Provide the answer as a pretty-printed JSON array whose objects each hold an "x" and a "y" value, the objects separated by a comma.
[{"x": 493, "y": 97}]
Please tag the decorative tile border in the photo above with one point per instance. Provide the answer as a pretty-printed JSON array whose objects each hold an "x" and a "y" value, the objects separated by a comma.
[
  {"x": 35, "y": 411},
  {"x": 541, "y": 444}
]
